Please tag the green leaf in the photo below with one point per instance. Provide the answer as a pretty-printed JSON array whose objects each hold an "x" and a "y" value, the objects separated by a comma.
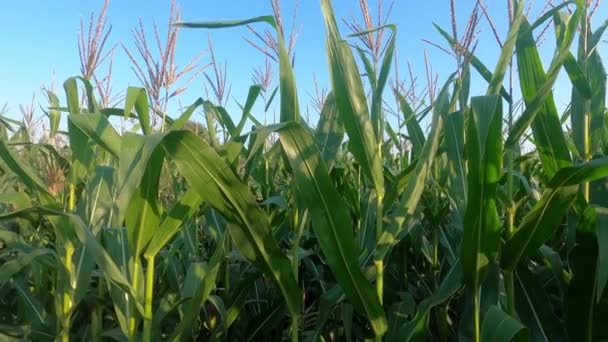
[
  {"x": 98, "y": 128},
  {"x": 205, "y": 276},
  {"x": 475, "y": 62},
  {"x": 173, "y": 221},
  {"x": 538, "y": 225},
  {"x": 19, "y": 262},
  {"x": 482, "y": 227},
  {"x": 536, "y": 87},
  {"x": 499, "y": 326},
  {"x": 185, "y": 117},
  {"x": 53, "y": 113},
  {"x": 577, "y": 77},
  {"x": 377, "y": 115},
  {"x": 602, "y": 241},
  {"x": 330, "y": 131},
  {"x": 331, "y": 222},
  {"x": 416, "y": 329},
  {"x": 580, "y": 173},
  {"x": 454, "y": 144},
  {"x": 252, "y": 96},
  {"x": 579, "y": 299},
  {"x": 25, "y": 174},
  {"x": 138, "y": 98},
  {"x": 352, "y": 103},
  {"x": 406, "y": 208},
  {"x": 228, "y": 23},
  {"x": 143, "y": 213},
  {"x": 534, "y": 307},
  {"x": 506, "y": 52},
  {"x": 217, "y": 185},
  {"x": 413, "y": 127}
]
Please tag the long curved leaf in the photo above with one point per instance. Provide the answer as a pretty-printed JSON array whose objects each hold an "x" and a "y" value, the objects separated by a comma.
[
  {"x": 331, "y": 223},
  {"x": 217, "y": 185}
]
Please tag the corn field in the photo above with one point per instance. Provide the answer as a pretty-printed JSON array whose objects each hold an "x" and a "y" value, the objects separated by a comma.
[{"x": 490, "y": 225}]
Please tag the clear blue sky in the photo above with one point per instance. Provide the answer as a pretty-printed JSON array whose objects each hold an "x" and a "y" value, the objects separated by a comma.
[{"x": 39, "y": 41}]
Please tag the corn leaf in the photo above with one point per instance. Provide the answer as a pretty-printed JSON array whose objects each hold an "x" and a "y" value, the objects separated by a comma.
[{"x": 331, "y": 222}]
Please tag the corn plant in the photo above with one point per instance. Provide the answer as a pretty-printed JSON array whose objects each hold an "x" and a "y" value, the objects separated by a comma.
[{"x": 330, "y": 232}]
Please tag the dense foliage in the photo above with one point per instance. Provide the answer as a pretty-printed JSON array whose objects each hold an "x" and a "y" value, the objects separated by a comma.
[{"x": 339, "y": 232}]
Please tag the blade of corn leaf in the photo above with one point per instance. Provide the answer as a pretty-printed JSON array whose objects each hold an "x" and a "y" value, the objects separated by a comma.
[
  {"x": 210, "y": 117},
  {"x": 580, "y": 173},
  {"x": 105, "y": 262},
  {"x": 596, "y": 36},
  {"x": 96, "y": 207},
  {"x": 183, "y": 119},
  {"x": 377, "y": 104},
  {"x": 413, "y": 127},
  {"x": 138, "y": 98},
  {"x": 369, "y": 68},
  {"x": 481, "y": 235},
  {"x": 579, "y": 299},
  {"x": 117, "y": 246},
  {"x": 25, "y": 174},
  {"x": 252, "y": 96},
  {"x": 173, "y": 220},
  {"x": 499, "y": 326},
  {"x": 475, "y": 62},
  {"x": 551, "y": 13},
  {"x": 330, "y": 130},
  {"x": 416, "y": 329},
  {"x": 82, "y": 154},
  {"x": 38, "y": 316},
  {"x": 228, "y": 23},
  {"x": 536, "y": 86},
  {"x": 206, "y": 276},
  {"x": 73, "y": 100},
  {"x": 331, "y": 223},
  {"x": 216, "y": 183},
  {"x": 98, "y": 128},
  {"x": 290, "y": 108},
  {"x": 143, "y": 213},
  {"x": 538, "y": 225},
  {"x": 135, "y": 154},
  {"x": 533, "y": 307},
  {"x": 577, "y": 77},
  {"x": 406, "y": 207},
  {"x": 591, "y": 107},
  {"x": 352, "y": 104},
  {"x": 19, "y": 262},
  {"x": 54, "y": 114},
  {"x": 454, "y": 144},
  {"x": 506, "y": 52},
  {"x": 602, "y": 240}
]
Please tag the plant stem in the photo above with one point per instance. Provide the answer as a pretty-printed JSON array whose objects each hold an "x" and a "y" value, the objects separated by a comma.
[
  {"x": 476, "y": 316},
  {"x": 149, "y": 294},
  {"x": 379, "y": 263},
  {"x": 586, "y": 108},
  {"x": 67, "y": 294},
  {"x": 132, "y": 327},
  {"x": 294, "y": 320},
  {"x": 69, "y": 270}
]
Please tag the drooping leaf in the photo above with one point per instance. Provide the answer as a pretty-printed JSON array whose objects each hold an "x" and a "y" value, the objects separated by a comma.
[
  {"x": 499, "y": 326},
  {"x": 217, "y": 185},
  {"x": 330, "y": 221}
]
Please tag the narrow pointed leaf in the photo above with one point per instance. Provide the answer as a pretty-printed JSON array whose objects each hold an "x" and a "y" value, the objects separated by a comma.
[{"x": 331, "y": 222}]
